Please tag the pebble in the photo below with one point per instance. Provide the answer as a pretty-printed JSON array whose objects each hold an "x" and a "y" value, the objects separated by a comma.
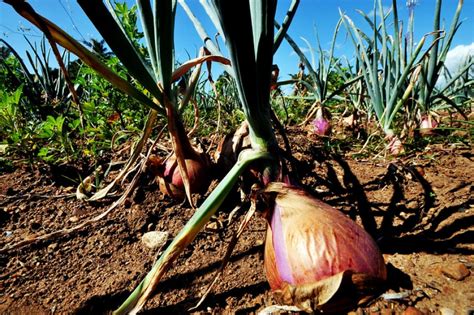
[
  {"x": 73, "y": 219},
  {"x": 278, "y": 309},
  {"x": 396, "y": 296},
  {"x": 154, "y": 239},
  {"x": 52, "y": 247},
  {"x": 457, "y": 271},
  {"x": 213, "y": 226},
  {"x": 446, "y": 311}
]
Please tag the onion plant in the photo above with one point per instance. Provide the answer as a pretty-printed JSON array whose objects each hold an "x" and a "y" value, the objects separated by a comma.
[
  {"x": 154, "y": 72},
  {"x": 42, "y": 85},
  {"x": 427, "y": 93},
  {"x": 319, "y": 84},
  {"x": 388, "y": 63},
  {"x": 458, "y": 86},
  {"x": 251, "y": 50},
  {"x": 249, "y": 35},
  {"x": 385, "y": 66},
  {"x": 319, "y": 72},
  {"x": 248, "y": 30}
]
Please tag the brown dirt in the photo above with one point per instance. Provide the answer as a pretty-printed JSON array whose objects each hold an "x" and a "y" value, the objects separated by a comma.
[{"x": 419, "y": 208}]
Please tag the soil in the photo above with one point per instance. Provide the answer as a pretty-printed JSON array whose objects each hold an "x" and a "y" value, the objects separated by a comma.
[{"x": 419, "y": 208}]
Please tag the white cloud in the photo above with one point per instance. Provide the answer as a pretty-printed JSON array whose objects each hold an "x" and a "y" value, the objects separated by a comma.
[
  {"x": 385, "y": 10},
  {"x": 455, "y": 58}
]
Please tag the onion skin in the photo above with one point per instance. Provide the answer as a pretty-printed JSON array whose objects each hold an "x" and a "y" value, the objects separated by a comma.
[
  {"x": 428, "y": 125},
  {"x": 322, "y": 126},
  {"x": 395, "y": 145},
  {"x": 230, "y": 146},
  {"x": 171, "y": 182},
  {"x": 308, "y": 241}
]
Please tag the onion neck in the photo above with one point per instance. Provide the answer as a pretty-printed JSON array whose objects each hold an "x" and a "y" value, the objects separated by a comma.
[
  {"x": 262, "y": 138},
  {"x": 182, "y": 137}
]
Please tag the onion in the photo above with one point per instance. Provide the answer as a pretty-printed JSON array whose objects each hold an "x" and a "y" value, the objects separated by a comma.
[
  {"x": 171, "y": 182},
  {"x": 395, "y": 145},
  {"x": 322, "y": 126},
  {"x": 427, "y": 125},
  {"x": 313, "y": 251}
]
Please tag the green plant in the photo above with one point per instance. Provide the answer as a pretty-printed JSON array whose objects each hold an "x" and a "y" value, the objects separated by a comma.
[
  {"x": 248, "y": 30},
  {"x": 152, "y": 68},
  {"x": 45, "y": 88},
  {"x": 396, "y": 73},
  {"x": 425, "y": 90},
  {"x": 55, "y": 135},
  {"x": 387, "y": 71},
  {"x": 16, "y": 131},
  {"x": 10, "y": 120}
]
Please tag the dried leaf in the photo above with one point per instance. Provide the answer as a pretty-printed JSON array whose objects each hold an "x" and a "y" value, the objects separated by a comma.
[{"x": 337, "y": 293}]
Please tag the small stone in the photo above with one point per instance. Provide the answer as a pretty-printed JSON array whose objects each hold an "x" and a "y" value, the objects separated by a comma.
[
  {"x": 457, "y": 271},
  {"x": 213, "y": 226},
  {"x": 154, "y": 239},
  {"x": 73, "y": 219},
  {"x": 411, "y": 310},
  {"x": 446, "y": 311},
  {"x": 52, "y": 247},
  {"x": 413, "y": 204},
  {"x": 278, "y": 309}
]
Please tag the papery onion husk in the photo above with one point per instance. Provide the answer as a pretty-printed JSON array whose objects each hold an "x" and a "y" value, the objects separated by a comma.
[
  {"x": 321, "y": 124},
  {"x": 230, "y": 147},
  {"x": 315, "y": 256},
  {"x": 395, "y": 145},
  {"x": 428, "y": 125},
  {"x": 171, "y": 182}
]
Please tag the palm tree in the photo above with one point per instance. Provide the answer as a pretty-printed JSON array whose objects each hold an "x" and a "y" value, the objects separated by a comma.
[{"x": 98, "y": 47}]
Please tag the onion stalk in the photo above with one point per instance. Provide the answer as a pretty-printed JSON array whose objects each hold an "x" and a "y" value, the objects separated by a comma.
[
  {"x": 313, "y": 251},
  {"x": 251, "y": 51}
]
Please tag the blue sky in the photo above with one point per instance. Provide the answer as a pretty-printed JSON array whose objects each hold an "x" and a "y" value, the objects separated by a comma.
[{"x": 320, "y": 13}]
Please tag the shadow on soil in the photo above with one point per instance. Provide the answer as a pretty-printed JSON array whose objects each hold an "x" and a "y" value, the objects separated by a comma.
[
  {"x": 214, "y": 300},
  {"x": 397, "y": 225},
  {"x": 428, "y": 227},
  {"x": 105, "y": 304},
  {"x": 102, "y": 304}
]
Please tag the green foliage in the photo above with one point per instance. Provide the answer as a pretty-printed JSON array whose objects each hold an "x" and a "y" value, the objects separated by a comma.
[
  {"x": 9, "y": 116},
  {"x": 129, "y": 19},
  {"x": 37, "y": 119},
  {"x": 54, "y": 133},
  {"x": 44, "y": 87},
  {"x": 16, "y": 131}
]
